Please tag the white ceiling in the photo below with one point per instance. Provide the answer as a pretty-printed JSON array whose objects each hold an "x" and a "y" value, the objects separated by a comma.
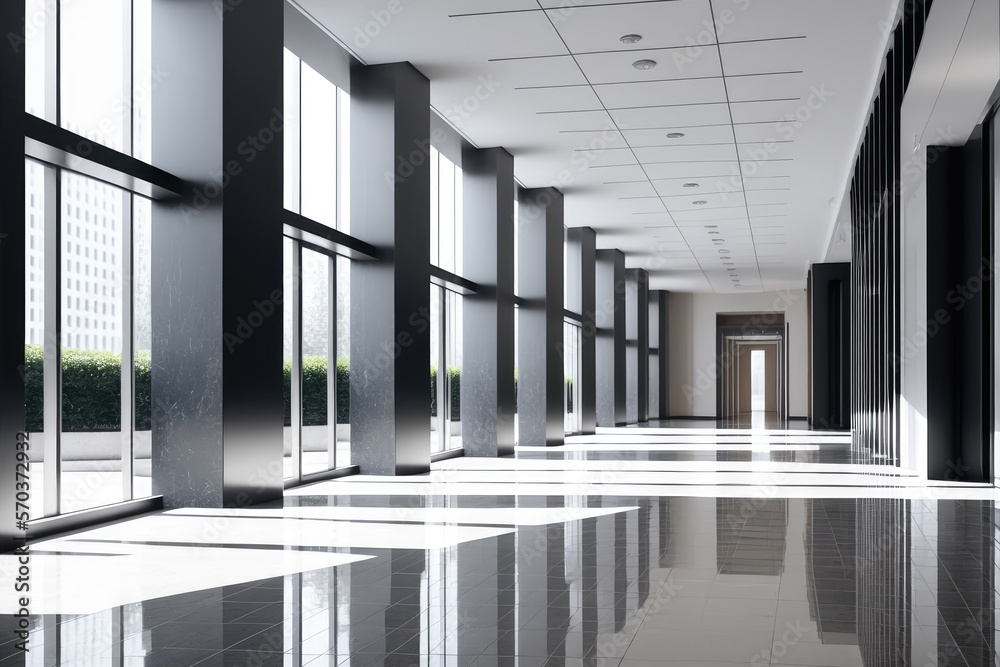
[{"x": 566, "y": 101}]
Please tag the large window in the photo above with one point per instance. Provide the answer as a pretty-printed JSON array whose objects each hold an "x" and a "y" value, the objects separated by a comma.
[
  {"x": 446, "y": 369},
  {"x": 317, "y": 145},
  {"x": 317, "y": 283},
  {"x": 110, "y": 37},
  {"x": 446, "y": 304},
  {"x": 88, "y": 253},
  {"x": 572, "y": 334},
  {"x": 517, "y": 328},
  {"x": 316, "y": 361},
  {"x": 446, "y": 213},
  {"x": 88, "y": 278}
]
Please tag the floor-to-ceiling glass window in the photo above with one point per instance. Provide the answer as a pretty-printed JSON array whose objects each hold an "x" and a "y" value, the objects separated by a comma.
[
  {"x": 36, "y": 178},
  {"x": 317, "y": 280},
  {"x": 88, "y": 278},
  {"x": 88, "y": 251},
  {"x": 446, "y": 310},
  {"x": 437, "y": 387},
  {"x": 572, "y": 334},
  {"x": 517, "y": 252},
  {"x": 92, "y": 219}
]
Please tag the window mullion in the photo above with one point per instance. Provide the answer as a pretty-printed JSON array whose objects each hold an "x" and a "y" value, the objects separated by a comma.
[
  {"x": 128, "y": 40},
  {"x": 128, "y": 347},
  {"x": 332, "y": 404},
  {"x": 52, "y": 351}
]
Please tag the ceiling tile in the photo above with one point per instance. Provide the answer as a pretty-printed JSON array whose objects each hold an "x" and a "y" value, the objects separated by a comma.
[
  {"x": 661, "y": 24},
  {"x": 688, "y": 154},
  {"x": 671, "y": 64},
  {"x": 764, "y": 56},
  {"x": 674, "y": 93},
  {"x": 692, "y": 135}
]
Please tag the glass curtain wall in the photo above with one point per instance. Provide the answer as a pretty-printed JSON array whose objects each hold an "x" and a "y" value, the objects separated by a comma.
[
  {"x": 517, "y": 253},
  {"x": 316, "y": 364},
  {"x": 89, "y": 279},
  {"x": 317, "y": 145},
  {"x": 572, "y": 333},
  {"x": 87, "y": 299},
  {"x": 446, "y": 311}
]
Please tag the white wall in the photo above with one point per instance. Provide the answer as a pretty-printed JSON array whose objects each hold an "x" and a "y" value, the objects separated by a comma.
[{"x": 693, "y": 338}]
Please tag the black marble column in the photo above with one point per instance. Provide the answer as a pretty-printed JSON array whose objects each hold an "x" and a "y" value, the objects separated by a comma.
[
  {"x": 12, "y": 268},
  {"x": 217, "y": 254},
  {"x": 488, "y": 400},
  {"x": 390, "y": 299},
  {"x": 610, "y": 349},
  {"x": 540, "y": 382},
  {"x": 659, "y": 354},
  {"x": 637, "y": 345},
  {"x": 831, "y": 345},
  {"x": 581, "y": 263}
]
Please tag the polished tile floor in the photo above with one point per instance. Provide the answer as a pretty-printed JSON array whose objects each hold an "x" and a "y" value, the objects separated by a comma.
[{"x": 632, "y": 548}]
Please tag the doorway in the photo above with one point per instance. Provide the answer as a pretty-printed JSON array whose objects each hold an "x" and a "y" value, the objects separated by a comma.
[
  {"x": 752, "y": 371},
  {"x": 757, "y": 383}
]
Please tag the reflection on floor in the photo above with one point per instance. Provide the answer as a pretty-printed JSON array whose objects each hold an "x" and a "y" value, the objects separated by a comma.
[{"x": 630, "y": 548}]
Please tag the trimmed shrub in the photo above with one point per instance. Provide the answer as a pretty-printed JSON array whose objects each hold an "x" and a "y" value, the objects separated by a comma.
[
  {"x": 91, "y": 390},
  {"x": 34, "y": 390},
  {"x": 455, "y": 379},
  {"x": 314, "y": 394},
  {"x": 143, "y": 390}
]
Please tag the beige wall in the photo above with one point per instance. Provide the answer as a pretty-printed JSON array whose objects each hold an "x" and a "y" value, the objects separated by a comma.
[{"x": 692, "y": 346}]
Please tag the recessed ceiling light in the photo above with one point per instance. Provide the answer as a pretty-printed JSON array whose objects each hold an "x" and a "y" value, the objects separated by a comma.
[
  {"x": 691, "y": 185},
  {"x": 631, "y": 38},
  {"x": 675, "y": 135},
  {"x": 644, "y": 64},
  {"x": 699, "y": 202}
]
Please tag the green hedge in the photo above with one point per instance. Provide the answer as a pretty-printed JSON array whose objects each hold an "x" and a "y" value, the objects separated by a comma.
[
  {"x": 34, "y": 389},
  {"x": 314, "y": 391},
  {"x": 92, "y": 390},
  {"x": 456, "y": 392}
]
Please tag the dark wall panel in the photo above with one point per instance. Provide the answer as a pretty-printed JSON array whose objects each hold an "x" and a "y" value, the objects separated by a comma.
[
  {"x": 390, "y": 298},
  {"x": 610, "y": 349},
  {"x": 217, "y": 258},
  {"x": 959, "y": 363},
  {"x": 488, "y": 400},
  {"x": 830, "y": 318},
  {"x": 637, "y": 345},
  {"x": 540, "y": 382},
  {"x": 583, "y": 250}
]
